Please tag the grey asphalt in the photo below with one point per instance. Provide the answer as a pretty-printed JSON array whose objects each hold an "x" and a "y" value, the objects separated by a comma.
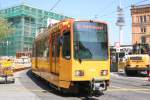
[{"x": 29, "y": 87}]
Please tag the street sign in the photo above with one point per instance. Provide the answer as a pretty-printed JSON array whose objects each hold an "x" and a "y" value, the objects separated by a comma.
[
  {"x": 117, "y": 45},
  {"x": 117, "y": 49}
]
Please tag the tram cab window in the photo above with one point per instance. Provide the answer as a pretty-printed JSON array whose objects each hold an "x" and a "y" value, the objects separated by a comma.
[
  {"x": 66, "y": 51},
  {"x": 53, "y": 46}
]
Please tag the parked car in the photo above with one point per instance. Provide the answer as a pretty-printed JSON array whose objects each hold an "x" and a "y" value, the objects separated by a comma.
[{"x": 22, "y": 63}]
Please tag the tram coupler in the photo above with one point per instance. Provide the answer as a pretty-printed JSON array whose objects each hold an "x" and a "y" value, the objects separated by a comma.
[{"x": 98, "y": 85}]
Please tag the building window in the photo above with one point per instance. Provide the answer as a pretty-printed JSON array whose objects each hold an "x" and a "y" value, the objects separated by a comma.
[
  {"x": 137, "y": 18},
  {"x": 144, "y": 29},
  {"x": 143, "y": 39},
  {"x": 141, "y": 19},
  {"x": 148, "y": 18},
  {"x": 26, "y": 8},
  {"x": 141, "y": 30},
  {"x": 40, "y": 11},
  {"x": 145, "y": 19},
  {"x": 33, "y": 10}
]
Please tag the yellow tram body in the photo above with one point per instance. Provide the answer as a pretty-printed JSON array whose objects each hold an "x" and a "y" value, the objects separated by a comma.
[
  {"x": 56, "y": 62},
  {"x": 138, "y": 62}
]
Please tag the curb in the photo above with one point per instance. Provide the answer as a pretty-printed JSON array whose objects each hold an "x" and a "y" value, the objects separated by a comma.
[{"x": 20, "y": 69}]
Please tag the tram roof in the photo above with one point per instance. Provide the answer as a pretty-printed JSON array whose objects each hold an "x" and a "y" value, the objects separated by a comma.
[{"x": 45, "y": 32}]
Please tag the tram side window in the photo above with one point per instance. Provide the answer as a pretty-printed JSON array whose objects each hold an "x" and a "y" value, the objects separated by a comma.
[
  {"x": 46, "y": 52},
  {"x": 45, "y": 48},
  {"x": 39, "y": 49},
  {"x": 57, "y": 45},
  {"x": 42, "y": 48},
  {"x": 48, "y": 55},
  {"x": 33, "y": 51},
  {"x": 53, "y": 46},
  {"x": 66, "y": 50}
]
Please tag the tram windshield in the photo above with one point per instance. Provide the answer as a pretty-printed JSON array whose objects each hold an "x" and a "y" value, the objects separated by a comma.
[{"x": 90, "y": 41}]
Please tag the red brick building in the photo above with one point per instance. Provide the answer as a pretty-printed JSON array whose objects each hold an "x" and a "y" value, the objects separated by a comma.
[{"x": 140, "y": 23}]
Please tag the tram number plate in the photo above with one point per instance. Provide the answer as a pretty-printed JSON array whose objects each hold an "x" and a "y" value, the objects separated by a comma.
[{"x": 143, "y": 72}]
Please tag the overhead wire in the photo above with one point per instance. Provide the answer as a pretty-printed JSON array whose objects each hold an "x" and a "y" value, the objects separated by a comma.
[
  {"x": 142, "y": 1},
  {"x": 55, "y": 5},
  {"x": 108, "y": 5},
  {"x": 135, "y": 4}
]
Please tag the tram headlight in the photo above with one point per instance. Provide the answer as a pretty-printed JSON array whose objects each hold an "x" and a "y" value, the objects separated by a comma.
[
  {"x": 128, "y": 64},
  {"x": 79, "y": 73},
  {"x": 104, "y": 72},
  {"x": 8, "y": 68},
  {"x": 147, "y": 66}
]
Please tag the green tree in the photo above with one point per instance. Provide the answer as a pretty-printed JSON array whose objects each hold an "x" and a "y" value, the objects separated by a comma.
[{"x": 5, "y": 28}]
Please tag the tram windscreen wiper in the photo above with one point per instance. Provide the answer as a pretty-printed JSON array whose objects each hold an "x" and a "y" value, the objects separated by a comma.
[{"x": 77, "y": 50}]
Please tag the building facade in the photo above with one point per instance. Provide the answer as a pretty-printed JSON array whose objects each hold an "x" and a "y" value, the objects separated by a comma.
[
  {"x": 27, "y": 21},
  {"x": 140, "y": 23}
]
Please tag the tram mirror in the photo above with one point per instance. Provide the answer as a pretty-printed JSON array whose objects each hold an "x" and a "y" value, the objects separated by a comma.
[{"x": 67, "y": 57}]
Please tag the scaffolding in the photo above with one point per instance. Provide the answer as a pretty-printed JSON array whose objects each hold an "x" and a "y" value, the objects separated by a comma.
[{"x": 27, "y": 21}]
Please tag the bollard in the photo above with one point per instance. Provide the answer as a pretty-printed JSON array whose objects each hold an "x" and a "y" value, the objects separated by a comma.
[
  {"x": 6, "y": 79},
  {"x": 148, "y": 72}
]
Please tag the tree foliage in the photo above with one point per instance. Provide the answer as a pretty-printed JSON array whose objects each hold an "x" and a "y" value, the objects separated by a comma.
[{"x": 5, "y": 28}]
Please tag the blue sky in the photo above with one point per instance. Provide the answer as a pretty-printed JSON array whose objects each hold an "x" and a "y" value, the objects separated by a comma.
[{"x": 104, "y": 10}]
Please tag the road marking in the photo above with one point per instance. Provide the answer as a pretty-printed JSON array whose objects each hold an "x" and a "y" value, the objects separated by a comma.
[
  {"x": 116, "y": 87},
  {"x": 141, "y": 90},
  {"x": 32, "y": 90},
  {"x": 123, "y": 89},
  {"x": 127, "y": 77},
  {"x": 111, "y": 89}
]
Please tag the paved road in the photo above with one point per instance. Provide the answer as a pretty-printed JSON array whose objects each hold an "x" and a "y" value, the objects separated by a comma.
[{"x": 27, "y": 87}]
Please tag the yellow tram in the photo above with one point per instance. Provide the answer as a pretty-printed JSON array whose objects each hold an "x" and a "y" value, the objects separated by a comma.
[
  {"x": 138, "y": 62},
  {"x": 73, "y": 55}
]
